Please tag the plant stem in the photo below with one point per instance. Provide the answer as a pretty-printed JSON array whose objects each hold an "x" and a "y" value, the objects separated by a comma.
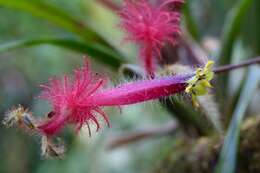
[
  {"x": 125, "y": 139},
  {"x": 226, "y": 68}
]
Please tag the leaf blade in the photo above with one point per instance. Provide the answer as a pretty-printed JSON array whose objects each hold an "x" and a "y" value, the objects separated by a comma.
[
  {"x": 54, "y": 15},
  {"x": 231, "y": 30},
  {"x": 227, "y": 160},
  {"x": 95, "y": 50}
]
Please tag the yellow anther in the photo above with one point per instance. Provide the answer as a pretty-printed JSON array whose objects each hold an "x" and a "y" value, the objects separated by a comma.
[{"x": 199, "y": 84}]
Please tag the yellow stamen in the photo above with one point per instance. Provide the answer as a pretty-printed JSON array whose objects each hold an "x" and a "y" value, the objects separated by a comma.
[{"x": 200, "y": 83}]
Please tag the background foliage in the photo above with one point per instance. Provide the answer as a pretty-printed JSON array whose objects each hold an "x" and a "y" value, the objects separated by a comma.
[{"x": 42, "y": 38}]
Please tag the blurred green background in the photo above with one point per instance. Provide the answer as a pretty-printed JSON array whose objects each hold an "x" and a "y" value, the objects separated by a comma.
[{"x": 44, "y": 38}]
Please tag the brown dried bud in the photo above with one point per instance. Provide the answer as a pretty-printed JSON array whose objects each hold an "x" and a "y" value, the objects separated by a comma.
[
  {"x": 19, "y": 117},
  {"x": 51, "y": 149}
]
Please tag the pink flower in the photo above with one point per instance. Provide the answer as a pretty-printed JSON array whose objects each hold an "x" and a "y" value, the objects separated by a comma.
[
  {"x": 80, "y": 100},
  {"x": 69, "y": 98},
  {"x": 150, "y": 27}
]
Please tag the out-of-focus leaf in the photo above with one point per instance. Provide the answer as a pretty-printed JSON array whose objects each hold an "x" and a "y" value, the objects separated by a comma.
[
  {"x": 187, "y": 117},
  {"x": 106, "y": 23},
  {"x": 234, "y": 100},
  {"x": 232, "y": 28},
  {"x": 251, "y": 32},
  {"x": 211, "y": 110},
  {"x": 52, "y": 14},
  {"x": 97, "y": 51},
  {"x": 227, "y": 160},
  {"x": 190, "y": 22}
]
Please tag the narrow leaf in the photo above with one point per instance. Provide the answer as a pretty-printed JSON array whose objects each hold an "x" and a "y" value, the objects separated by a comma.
[
  {"x": 106, "y": 23},
  {"x": 190, "y": 22},
  {"x": 211, "y": 110},
  {"x": 52, "y": 14},
  {"x": 231, "y": 29},
  {"x": 227, "y": 160},
  {"x": 97, "y": 51}
]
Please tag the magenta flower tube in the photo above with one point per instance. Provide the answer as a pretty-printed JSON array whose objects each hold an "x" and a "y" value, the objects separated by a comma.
[{"x": 140, "y": 91}]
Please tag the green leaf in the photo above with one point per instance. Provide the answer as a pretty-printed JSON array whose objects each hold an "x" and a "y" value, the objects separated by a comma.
[
  {"x": 106, "y": 23},
  {"x": 231, "y": 30},
  {"x": 190, "y": 22},
  {"x": 232, "y": 27},
  {"x": 188, "y": 117},
  {"x": 95, "y": 50},
  {"x": 251, "y": 35},
  {"x": 54, "y": 15},
  {"x": 227, "y": 160},
  {"x": 210, "y": 108}
]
